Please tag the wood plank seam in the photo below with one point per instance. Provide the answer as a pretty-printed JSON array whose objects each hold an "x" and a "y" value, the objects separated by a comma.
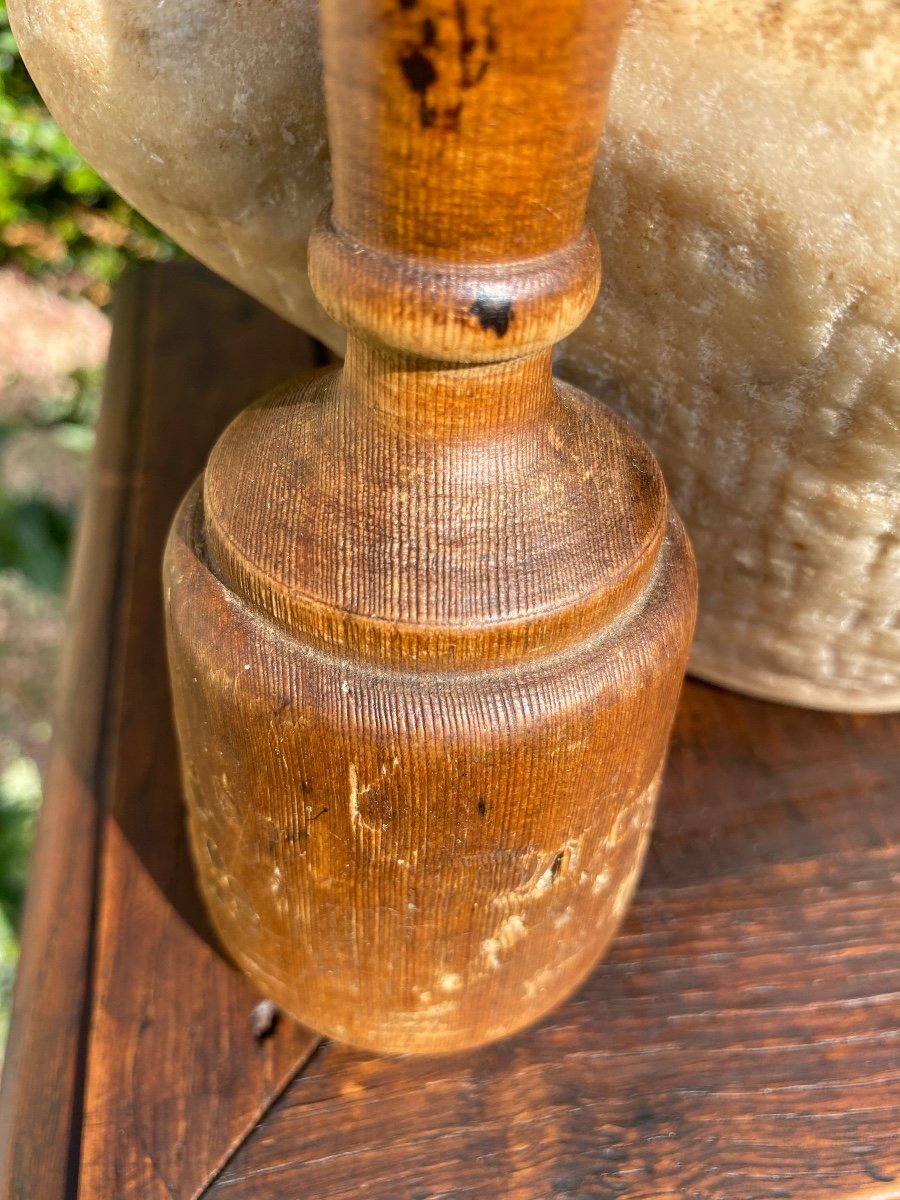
[
  {"x": 139, "y": 1022},
  {"x": 143, "y": 300},
  {"x": 207, "y": 1187},
  {"x": 86, "y": 809}
]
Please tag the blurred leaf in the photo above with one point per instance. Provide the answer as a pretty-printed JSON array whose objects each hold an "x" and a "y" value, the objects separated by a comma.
[
  {"x": 78, "y": 439},
  {"x": 57, "y": 216},
  {"x": 34, "y": 539},
  {"x": 20, "y": 800}
]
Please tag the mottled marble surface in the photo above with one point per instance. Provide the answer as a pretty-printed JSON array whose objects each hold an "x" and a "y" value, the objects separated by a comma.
[{"x": 747, "y": 204}]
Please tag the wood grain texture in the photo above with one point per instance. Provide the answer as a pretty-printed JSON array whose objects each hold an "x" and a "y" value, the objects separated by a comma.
[
  {"x": 40, "y": 1106},
  {"x": 144, "y": 1032},
  {"x": 752, "y": 785},
  {"x": 429, "y": 614},
  {"x": 480, "y": 126},
  {"x": 741, "y": 1040},
  {"x": 119, "y": 981}
]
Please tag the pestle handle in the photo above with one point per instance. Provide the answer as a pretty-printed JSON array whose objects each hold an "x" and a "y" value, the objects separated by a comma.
[
  {"x": 463, "y": 144},
  {"x": 467, "y": 130}
]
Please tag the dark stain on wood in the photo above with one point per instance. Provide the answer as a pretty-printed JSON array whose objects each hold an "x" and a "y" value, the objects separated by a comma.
[
  {"x": 493, "y": 314},
  {"x": 418, "y": 71}
]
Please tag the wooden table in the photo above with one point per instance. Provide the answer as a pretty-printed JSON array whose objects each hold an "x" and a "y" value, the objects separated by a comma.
[{"x": 741, "y": 1040}]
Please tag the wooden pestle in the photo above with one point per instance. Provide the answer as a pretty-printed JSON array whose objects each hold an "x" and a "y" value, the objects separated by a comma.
[{"x": 429, "y": 614}]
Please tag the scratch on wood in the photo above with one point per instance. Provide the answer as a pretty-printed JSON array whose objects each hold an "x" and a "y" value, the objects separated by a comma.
[
  {"x": 354, "y": 794},
  {"x": 510, "y": 931}
]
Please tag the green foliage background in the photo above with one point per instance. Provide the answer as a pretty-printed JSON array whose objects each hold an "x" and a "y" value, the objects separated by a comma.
[
  {"x": 62, "y": 225},
  {"x": 57, "y": 216}
]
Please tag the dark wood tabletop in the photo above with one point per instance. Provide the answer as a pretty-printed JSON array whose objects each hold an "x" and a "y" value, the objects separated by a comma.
[{"x": 741, "y": 1039}]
